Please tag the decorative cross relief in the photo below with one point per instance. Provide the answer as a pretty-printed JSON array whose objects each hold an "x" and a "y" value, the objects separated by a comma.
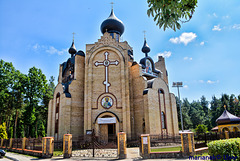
[{"x": 106, "y": 63}]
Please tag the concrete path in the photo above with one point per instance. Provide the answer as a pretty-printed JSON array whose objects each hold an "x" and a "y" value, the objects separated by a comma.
[
  {"x": 133, "y": 155},
  {"x": 5, "y": 159}
]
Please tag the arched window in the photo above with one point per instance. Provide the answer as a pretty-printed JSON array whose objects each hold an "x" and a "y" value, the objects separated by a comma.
[
  {"x": 161, "y": 91},
  {"x": 163, "y": 120},
  {"x": 57, "y": 115}
]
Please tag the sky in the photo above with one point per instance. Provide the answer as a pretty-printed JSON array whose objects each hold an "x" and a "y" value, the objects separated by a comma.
[{"x": 204, "y": 54}]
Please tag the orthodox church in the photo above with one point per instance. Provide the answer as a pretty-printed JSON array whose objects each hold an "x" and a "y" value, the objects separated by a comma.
[{"x": 106, "y": 90}]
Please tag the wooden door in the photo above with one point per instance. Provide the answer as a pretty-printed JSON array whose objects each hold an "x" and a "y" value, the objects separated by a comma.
[{"x": 104, "y": 133}]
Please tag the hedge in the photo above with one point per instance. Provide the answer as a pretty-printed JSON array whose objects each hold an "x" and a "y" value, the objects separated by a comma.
[{"x": 222, "y": 150}]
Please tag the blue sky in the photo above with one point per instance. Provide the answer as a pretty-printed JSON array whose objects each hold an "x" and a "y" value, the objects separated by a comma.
[{"x": 204, "y": 54}]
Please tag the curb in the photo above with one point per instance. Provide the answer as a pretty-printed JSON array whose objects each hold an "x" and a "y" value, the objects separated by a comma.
[{"x": 14, "y": 159}]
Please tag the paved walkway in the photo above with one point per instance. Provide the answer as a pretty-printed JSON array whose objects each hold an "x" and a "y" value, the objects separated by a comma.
[{"x": 132, "y": 155}]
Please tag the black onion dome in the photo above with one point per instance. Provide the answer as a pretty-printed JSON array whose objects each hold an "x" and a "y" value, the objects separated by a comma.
[
  {"x": 72, "y": 49},
  {"x": 145, "y": 49},
  {"x": 227, "y": 118},
  {"x": 112, "y": 25}
]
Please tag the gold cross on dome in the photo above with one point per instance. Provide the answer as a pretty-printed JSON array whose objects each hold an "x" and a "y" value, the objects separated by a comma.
[
  {"x": 112, "y": 4},
  {"x": 144, "y": 32},
  {"x": 73, "y": 35}
]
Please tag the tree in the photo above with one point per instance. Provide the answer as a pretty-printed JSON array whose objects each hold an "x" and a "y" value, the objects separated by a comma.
[
  {"x": 18, "y": 94},
  {"x": 187, "y": 123},
  {"x": 24, "y": 101},
  {"x": 43, "y": 113},
  {"x": 35, "y": 87},
  {"x": 201, "y": 128},
  {"x": 3, "y": 131},
  {"x": 215, "y": 110},
  {"x": 196, "y": 113},
  {"x": 170, "y": 13},
  {"x": 207, "y": 115},
  {"x": 233, "y": 105}
]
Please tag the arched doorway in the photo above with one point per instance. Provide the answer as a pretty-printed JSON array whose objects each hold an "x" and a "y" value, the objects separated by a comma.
[
  {"x": 107, "y": 127},
  {"x": 235, "y": 129},
  {"x": 225, "y": 129}
]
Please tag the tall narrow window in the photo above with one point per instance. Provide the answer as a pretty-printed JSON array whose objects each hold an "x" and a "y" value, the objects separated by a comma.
[
  {"x": 57, "y": 115},
  {"x": 163, "y": 120}
]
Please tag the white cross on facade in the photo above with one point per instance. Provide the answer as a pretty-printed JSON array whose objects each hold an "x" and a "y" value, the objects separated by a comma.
[{"x": 106, "y": 63}]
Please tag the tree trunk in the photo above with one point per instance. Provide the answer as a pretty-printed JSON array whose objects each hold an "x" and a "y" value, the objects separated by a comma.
[
  {"x": 15, "y": 125},
  {"x": 36, "y": 132}
]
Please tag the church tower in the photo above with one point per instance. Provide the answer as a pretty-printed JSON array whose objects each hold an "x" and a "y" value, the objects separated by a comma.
[{"x": 105, "y": 90}]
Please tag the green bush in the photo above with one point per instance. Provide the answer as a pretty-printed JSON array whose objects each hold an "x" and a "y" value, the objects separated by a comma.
[
  {"x": 228, "y": 149},
  {"x": 201, "y": 128},
  {"x": 3, "y": 131}
]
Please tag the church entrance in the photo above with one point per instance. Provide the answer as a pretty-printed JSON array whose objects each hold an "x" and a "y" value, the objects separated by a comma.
[
  {"x": 107, "y": 132},
  {"x": 107, "y": 128}
]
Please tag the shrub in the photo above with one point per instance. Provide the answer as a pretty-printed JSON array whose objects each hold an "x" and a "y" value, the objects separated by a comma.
[
  {"x": 3, "y": 131},
  {"x": 225, "y": 149},
  {"x": 201, "y": 128}
]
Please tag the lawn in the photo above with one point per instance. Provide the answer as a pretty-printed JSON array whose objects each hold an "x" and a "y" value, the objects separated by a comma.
[
  {"x": 57, "y": 153},
  {"x": 177, "y": 148}
]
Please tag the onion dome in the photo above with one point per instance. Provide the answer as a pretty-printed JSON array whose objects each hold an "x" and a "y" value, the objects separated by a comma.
[
  {"x": 112, "y": 25},
  {"x": 72, "y": 50},
  {"x": 227, "y": 118},
  {"x": 146, "y": 49}
]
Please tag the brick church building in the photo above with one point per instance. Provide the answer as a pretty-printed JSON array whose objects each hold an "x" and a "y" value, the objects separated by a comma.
[{"x": 106, "y": 90}]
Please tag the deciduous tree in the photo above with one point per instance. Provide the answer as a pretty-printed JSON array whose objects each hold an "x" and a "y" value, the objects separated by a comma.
[{"x": 171, "y": 13}]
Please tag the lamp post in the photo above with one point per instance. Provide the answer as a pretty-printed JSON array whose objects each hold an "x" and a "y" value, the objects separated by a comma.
[{"x": 179, "y": 84}]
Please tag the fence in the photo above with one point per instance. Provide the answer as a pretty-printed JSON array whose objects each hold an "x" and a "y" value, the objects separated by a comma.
[
  {"x": 34, "y": 144},
  {"x": 156, "y": 140},
  {"x": 17, "y": 143},
  {"x": 6, "y": 143},
  {"x": 163, "y": 140},
  {"x": 31, "y": 146},
  {"x": 201, "y": 139}
]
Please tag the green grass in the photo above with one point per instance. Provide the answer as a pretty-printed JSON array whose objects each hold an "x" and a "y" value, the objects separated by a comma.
[
  {"x": 177, "y": 148},
  {"x": 57, "y": 153}
]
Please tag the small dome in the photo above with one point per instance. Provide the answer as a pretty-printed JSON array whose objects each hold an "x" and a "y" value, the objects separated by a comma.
[
  {"x": 227, "y": 118},
  {"x": 72, "y": 50},
  {"x": 145, "y": 49},
  {"x": 112, "y": 25}
]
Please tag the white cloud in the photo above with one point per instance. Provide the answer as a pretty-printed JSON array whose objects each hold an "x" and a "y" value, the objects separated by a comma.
[
  {"x": 165, "y": 54},
  {"x": 236, "y": 26},
  {"x": 184, "y": 38},
  {"x": 48, "y": 49},
  {"x": 212, "y": 82},
  {"x": 174, "y": 40},
  {"x": 217, "y": 28},
  {"x": 187, "y": 58},
  {"x": 202, "y": 43},
  {"x": 53, "y": 50},
  {"x": 185, "y": 86}
]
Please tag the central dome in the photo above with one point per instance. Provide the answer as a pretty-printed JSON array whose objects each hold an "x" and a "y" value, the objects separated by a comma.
[{"x": 112, "y": 25}]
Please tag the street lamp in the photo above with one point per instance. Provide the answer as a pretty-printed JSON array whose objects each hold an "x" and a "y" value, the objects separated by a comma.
[{"x": 179, "y": 84}]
